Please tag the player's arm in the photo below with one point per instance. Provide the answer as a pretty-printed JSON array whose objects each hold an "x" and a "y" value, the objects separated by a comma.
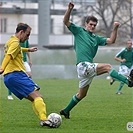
[
  {"x": 119, "y": 59},
  {"x": 66, "y": 19},
  {"x": 32, "y": 49},
  {"x": 113, "y": 34},
  {"x": 5, "y": 62},
  {"x": 29, "y": 59}
]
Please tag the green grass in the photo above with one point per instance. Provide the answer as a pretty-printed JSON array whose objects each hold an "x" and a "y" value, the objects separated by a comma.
[{"x": 102, "y": 111}]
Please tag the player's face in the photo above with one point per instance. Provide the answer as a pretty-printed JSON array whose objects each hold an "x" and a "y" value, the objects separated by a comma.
[
  {"x": 90, "y": 26},
  {"x": 25, "y": 35},
  {"x": 129, "y": 44}
]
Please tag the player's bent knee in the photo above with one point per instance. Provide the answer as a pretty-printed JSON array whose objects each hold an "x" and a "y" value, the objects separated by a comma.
[{"x": 108, "y": 67}]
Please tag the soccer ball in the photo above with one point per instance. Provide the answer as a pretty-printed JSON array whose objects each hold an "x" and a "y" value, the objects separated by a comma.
[{"x": 56, "y": 119}]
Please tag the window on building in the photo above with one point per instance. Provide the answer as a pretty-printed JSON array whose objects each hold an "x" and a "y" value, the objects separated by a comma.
[
  {"x": 51, "y": 27},
  {"x": 3, "y": 25}
]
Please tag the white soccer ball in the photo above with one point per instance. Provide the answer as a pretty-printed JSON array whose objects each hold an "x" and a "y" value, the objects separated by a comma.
[
  {"x": 56, "y": 119},
  {"x": 108, "y": 77}
]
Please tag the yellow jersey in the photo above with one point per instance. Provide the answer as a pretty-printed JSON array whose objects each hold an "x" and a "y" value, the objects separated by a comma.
[{"x": 13, "y": 48}]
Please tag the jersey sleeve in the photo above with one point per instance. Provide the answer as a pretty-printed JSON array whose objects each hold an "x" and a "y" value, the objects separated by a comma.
[
  {"x": 101, "y": 40},
  {"x": 74, "y": 28},
  {"x": 120, "y": 53},
  {"x": 14, "y": 49}
]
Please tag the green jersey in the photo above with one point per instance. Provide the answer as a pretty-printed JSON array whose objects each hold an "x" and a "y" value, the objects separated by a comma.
[
  {"x": 127, "y": 55},
  {"x": 25, "y": 45},
  {"x": 85, "y": 43}
]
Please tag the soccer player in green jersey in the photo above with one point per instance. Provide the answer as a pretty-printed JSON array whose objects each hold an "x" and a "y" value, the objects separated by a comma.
[
  {"x": 86, "y": 45},
  {"x": 126, "y": 61},
  {"x": 27, "y": 62}
]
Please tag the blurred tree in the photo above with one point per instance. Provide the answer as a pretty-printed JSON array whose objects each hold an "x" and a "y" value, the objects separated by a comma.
[{"x": 109, "y": 11}]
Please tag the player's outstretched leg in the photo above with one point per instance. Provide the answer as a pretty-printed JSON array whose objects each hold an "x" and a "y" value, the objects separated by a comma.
[
  {"x": 130, "y": 79},
  {"x": 39, "y": 108}
]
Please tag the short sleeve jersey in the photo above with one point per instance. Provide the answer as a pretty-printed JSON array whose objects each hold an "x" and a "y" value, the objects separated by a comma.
[
  {"x": 85, "y": 43},
  {"x": 127, "y": 55},
  {"x": 25, "y": 45},
  {"x": 13, "y": 48}
]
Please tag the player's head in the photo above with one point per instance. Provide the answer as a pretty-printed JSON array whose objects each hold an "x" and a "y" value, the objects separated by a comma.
[
  {"x": 129, "y": 44},
  {"x": 91, "y": 23},
  {"x": 23, "y": 31}
]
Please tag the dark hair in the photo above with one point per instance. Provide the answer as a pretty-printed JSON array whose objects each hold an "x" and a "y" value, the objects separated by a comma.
[
  {"x": 21, "y": 26},
  {"x": 91, "y": 18}
]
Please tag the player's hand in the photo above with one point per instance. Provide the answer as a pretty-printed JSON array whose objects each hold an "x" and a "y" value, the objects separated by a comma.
[
  {"x": 1, "y": 70},
  {"x": 32, "y": 49},
  {"x": 30, "y": 63},
  {"x": 71, "y": 5},
  {"x": 116, "y": 24},
  {"x": 123, "y": 60}
]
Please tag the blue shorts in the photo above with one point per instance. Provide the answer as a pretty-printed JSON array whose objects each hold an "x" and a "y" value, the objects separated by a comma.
[{"x": 20, "y": 84}]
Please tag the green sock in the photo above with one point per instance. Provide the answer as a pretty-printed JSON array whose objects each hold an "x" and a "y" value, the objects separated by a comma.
[
  {"x": 72, "y": 103},
  {"x": 113, "y": 73},
  {"x": 9, "y": 92},
  {"x": 120, "y": 87}
]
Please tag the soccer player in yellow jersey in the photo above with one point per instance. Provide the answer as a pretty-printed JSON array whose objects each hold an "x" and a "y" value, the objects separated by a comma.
[{"x": 15, "y": 77}]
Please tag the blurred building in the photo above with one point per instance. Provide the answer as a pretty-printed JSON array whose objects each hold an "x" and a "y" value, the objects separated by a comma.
[{"x": 46, "y": 19}]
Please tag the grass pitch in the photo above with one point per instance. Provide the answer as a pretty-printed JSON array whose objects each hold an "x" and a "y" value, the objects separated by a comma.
[{"x": 102, "y": 111}]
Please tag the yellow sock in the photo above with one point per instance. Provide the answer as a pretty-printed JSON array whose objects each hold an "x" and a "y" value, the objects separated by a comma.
[
  {"x": 33, "y": 106},
  {"x": 40, "y": 108}
]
